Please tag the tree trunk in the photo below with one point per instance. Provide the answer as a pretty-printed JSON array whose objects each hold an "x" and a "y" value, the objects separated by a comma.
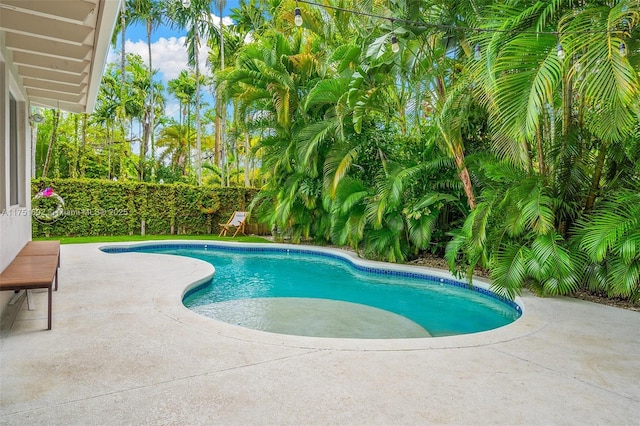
[
  {"x": 52, "y": 141},
  {"x": 218, "y": 142},
  {"x": 83, "y": 144},
  {"x": 123, "y": 24},
  {"x": 247, "y": 166},
  {"x": 456, "y": 149},
  {"x": 567, "y": 105},
  {"x": 73, "y": 164},
  {"x": 463, "y": 173},
  {"x": 143, "y": 149},
  {"x": 109, "y": 143},
  {"x": 188, "y": 165},
  {"x": 34, "y": 140},
  {"x": 595, "y": 182},
  {"x": 151, "y": 103},
  {"x": 220, "y": 113},
  {"x": 540, "y": 151},
  {"x": 198, "y": 129},
  {"x": 120, "y": 152},
  {"x": 216, "y": 146}
]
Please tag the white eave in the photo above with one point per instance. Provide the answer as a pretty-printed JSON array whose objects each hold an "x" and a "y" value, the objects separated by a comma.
[{"x": 59, "y": 48}]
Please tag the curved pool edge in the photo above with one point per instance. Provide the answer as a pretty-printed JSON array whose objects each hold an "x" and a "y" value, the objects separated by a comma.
[{"x": 171, "y": 305}]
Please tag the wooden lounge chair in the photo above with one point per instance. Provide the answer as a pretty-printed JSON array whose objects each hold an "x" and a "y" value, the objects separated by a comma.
[{"x": 237, "y": 221}]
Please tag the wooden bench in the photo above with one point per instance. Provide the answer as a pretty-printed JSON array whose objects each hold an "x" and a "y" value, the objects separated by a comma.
[
  {"x": 36, "y": 266},
  {"x": 42, "y": 248}
]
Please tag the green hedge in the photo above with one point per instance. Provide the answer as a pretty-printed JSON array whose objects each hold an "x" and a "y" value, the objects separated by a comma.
[{"x": 99, "y": 207}]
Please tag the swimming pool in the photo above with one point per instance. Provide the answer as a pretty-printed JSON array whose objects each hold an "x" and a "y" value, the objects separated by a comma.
[{"x": 328, "y": 293}]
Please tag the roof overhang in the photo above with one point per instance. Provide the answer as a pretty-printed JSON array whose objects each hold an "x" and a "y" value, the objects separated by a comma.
[{"x": 59, "y": 48}]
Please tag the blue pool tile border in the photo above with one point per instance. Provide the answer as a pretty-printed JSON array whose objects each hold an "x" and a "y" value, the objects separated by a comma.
[
  {"x": 369, "y": 269},
  {"x": 196, "y": 289}
]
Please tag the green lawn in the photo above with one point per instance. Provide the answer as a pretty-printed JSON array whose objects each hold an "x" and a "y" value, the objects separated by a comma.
[{"x": 128, "y": 238}]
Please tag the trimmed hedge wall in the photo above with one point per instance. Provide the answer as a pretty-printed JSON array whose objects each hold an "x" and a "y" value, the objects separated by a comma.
[{"x": 99, "y": 207}]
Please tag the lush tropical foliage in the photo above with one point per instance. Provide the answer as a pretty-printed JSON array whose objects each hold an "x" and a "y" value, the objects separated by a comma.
[{"x": 504, "y": 135}]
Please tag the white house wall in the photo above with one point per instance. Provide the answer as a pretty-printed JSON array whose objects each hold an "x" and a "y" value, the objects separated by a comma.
[
  {"x": 52, "y": 54},
  {"x": 15, "y": 220}
]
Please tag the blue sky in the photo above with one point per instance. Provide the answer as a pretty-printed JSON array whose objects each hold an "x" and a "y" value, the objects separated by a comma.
[
  {"x": 139, "y": 32},
  {"x": 168, "y": 51}
]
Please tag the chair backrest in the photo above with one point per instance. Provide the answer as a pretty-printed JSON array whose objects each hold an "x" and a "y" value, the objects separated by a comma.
[{"x": 238, "y": 218}]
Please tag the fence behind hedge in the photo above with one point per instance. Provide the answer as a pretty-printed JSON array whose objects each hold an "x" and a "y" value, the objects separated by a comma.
[{"x": 98, "y": 207}]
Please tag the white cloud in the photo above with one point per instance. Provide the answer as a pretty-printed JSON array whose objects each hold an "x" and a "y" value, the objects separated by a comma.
[
  {"x": 169, "y": 58},
  {"x": 169, "y": 55},
  {"x": 226, "y": 20}
]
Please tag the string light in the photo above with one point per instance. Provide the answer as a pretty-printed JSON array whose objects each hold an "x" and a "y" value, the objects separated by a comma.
[
  {"x": 623, "y": 49},
  {"x": 186, "y": 4},
  {"x": 443, "y": 26},
  {"x": 297, "y": 16},
  {"x": 395, "y": 47},
  {"x": 477, "y": 53},
  {"x": 560, "y": 52}
]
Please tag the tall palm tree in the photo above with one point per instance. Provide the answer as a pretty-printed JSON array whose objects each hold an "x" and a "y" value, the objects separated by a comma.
[
  {"x": 226, "y": 48},
  {"x": 140, "y": 106},
  {"x": 250, "y": 19},
  {"x": 149, "y": 12},
  {"x": 270, "y": 76},
  {"x": 184, "y": 89},
  {"x": 174, "y": 138},
  {"x": 220, "y": 103},
  {"x": 106, "y": 110},
  {"x": 195, "y": 16}
]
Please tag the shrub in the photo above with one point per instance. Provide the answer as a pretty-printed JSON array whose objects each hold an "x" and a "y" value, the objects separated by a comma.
[{"x": 99, "y": 207}]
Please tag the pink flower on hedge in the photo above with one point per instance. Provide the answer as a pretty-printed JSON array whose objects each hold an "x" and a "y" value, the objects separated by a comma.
[{"x": 47, "y": 192}]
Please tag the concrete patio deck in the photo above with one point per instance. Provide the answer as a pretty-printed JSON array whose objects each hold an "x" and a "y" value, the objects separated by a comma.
[{"x": 123, "y": 350}]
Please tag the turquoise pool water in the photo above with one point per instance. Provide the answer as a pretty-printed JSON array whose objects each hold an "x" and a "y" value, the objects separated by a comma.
[{"x": 290, "y": 292}]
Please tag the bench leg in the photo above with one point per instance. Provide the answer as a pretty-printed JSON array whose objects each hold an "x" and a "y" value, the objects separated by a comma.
[
  {"x": 57, "y": 269},
  {"x": 49, "y": 312}
]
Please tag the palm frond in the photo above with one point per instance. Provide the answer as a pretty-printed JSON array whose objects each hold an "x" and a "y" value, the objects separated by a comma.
[
  {"x": 509, "y": 270},
  {"x": 326, "y": 92},
  {"x": 310, "y": 140}
]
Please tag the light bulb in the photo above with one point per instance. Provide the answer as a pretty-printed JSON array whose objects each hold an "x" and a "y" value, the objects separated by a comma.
[
  {"x": 623, "y": 49},
  {"x": 395, "y": 47},
  {"x": 186, "y": 3},
  {"x": 560, "y": 52},
  {"x": 477, "y": 53},
  {"x": 298, "y": 17}
]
